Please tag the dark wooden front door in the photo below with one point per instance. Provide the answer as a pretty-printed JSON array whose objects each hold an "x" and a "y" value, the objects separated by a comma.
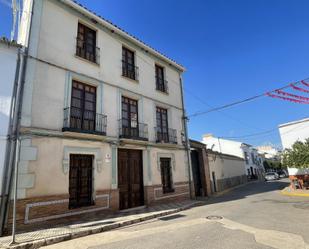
[
  {"x": 130, "y": 178},
  {"x": 80, "y": 184}
]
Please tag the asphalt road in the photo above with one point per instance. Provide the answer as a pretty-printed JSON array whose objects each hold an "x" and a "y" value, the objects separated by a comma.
[{"x": 255, "y": 216}]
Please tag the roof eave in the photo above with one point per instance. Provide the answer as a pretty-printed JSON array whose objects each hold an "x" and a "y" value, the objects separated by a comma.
[{"x": 119, "y": 31}]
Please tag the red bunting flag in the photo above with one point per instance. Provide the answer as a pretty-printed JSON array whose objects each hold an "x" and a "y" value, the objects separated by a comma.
[
  {"x": 299, "y": 88},
  {"x": 286, "y": 98},
  {"x": 292, "y": 95},
  {"x": 305, "y": 83}
]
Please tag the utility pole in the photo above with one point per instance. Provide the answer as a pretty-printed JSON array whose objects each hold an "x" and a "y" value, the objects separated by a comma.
[{"x": 187, "y": 141}]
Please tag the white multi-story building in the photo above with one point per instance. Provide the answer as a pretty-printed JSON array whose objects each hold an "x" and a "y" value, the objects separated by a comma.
[
  {"x": 102, "y": 117},
  {"x": 290, "y": 133},
  {"x": 252, "y": 160}
]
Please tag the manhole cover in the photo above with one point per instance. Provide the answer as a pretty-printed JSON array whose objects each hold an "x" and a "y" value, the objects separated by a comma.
[{"x": 214, "y": 217}]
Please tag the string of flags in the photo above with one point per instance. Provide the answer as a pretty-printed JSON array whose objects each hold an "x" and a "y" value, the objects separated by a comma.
[{"x": 292, "y": 97}]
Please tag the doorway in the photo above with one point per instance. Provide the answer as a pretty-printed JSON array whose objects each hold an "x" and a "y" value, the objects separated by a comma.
[
  {"x": 130, "y": 178},
  {"x": 80, "y": 181}
]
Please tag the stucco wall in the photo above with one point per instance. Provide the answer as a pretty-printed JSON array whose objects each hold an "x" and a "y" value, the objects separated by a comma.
[
  {"x": 225, "y": 167},
  {"x": 291, "y": 133},
  {"x": 8, "y": 60},
  {"x": 294, "y": 132}
]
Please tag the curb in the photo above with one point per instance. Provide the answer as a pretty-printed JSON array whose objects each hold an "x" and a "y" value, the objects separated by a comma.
[
  {"x": 283, "y": 192},
  {"x": 104, "y": 228}
]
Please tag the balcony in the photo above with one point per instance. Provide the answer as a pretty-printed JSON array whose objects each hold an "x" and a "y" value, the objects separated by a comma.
[
  {"x": 166, "y": 137},
  {"x": 129, "y": 70},
  {"x": 161, "y": 85},
  {"x": 77, "y": 120},
  {"x": 133, "y": 130},
  {"x": 87, "y": 51}
]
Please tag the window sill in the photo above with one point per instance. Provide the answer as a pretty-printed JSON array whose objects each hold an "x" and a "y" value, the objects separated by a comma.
[
  {"x": 166, "y": 93},
  {"x": 85, "y": 60},
  {"x": 130, "y": 79}
]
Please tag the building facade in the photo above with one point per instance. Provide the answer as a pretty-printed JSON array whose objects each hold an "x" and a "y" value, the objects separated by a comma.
[
  {"x": 102, "y": 118},
  {"x": 253, "y": 162},
  {"x": 9, "y": 60},
  {"x": 290, "y": 133},
  {"x": 226, "y": 171}
]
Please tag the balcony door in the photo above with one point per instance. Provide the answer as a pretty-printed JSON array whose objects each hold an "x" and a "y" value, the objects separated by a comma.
[
  {"x": 83, "y": 107},
  {"x": 129, "y": 118},
  {"x": 162, "y": 125}
]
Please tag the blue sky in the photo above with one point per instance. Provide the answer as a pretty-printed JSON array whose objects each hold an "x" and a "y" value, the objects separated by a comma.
[{"x": 232, "y": 49}]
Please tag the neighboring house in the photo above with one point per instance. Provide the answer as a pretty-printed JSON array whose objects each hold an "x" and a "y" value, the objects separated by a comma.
[
  {"x": 226, "y": 170},
  {"x": 9, "y": 54},
  {"x": 269, "y": 151},
  {"x": 290, "y": 133},
  {"x": 200, "y": 169},
  {"x": 252, "y": 160},
  {"x": 102, "y": 117}
]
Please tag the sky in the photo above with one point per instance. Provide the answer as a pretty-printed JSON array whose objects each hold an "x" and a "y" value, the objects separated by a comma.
[{"x": 232, "y": 49}]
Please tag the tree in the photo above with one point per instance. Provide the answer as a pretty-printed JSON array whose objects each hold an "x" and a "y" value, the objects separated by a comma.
[{"x": 298, "y": 156}]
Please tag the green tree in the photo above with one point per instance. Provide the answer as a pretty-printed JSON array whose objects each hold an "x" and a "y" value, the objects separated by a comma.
[{"x": 298, "y": 156}]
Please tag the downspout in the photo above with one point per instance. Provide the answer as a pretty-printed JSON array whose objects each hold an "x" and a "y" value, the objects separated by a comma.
[
  {"x": 16, "y": 127},
  {"x": 187, "y": 142}
]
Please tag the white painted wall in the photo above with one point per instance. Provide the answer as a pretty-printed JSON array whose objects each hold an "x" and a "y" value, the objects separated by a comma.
[
  {"x": 56, "y": 42},
  {"x": 8, "y": 59},
  {"x": 48, "y": 90},
  {"x": 291, "y": 133},
  {"x": 235, "y": 148},
  {"x": 225, "y": 166}
]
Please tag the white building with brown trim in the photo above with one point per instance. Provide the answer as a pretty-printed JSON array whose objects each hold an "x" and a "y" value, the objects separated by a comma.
[{"x": 102, "y": 117}]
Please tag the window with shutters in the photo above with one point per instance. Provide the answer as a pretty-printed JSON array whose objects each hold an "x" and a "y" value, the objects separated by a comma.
[
  {"x": 83, "y": 107},
  {"x": 129, "y": 120},
  {"x": 161, "y": 83},
  {"x": 86, "y": 44},
  {"x": 162, "y": 125},
  {"x": 129, "y": 69}
]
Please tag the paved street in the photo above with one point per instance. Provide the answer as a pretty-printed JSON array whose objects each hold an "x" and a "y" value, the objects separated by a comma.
[{"x": 255, "y": 216}]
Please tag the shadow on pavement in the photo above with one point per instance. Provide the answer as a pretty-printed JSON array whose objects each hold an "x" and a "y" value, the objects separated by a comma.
[{"x": 247, "y": 190}]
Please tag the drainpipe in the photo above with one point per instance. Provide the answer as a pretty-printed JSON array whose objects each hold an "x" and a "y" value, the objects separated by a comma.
[
  {"x": 16, "y": 136},
  {"x": 187, "y": 142}
]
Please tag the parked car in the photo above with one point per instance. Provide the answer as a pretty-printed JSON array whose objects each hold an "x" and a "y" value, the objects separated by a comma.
[
  {"x": 271, "y": 176},
  {"x": 282, "y": 174}
]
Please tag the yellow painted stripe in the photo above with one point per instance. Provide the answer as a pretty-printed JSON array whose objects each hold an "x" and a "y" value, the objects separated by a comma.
[{"x": 294, "y": 194}]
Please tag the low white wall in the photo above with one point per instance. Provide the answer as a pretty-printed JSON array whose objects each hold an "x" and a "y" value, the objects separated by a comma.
[{"x": 226, "y": 167}]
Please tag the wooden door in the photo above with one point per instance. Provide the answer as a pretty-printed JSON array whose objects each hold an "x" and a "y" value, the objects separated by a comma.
[
  {"x": 80, "y": 182},
  {"x": 130, "y": 178}
]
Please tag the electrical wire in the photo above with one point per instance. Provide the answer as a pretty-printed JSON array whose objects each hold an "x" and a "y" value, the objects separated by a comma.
[{"x": 238, "y": 102}]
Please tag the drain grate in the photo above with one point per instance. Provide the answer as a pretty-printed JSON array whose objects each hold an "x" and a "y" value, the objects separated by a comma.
[{"x": 214, "y": 217}]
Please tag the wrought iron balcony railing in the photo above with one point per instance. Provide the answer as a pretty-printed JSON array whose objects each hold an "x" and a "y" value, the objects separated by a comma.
[
  {"x": 161, "y": 85},
  {"x": 78, "y": 120},
  {"x": 129, "y": 70},
  {"x": 132, "y": 129},
  {"x": 169, "y": 136},
  {"x": 87, "y": 51}
]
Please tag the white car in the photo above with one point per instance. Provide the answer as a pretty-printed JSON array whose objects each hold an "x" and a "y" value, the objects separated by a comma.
[{"x": 271, "y": 176}]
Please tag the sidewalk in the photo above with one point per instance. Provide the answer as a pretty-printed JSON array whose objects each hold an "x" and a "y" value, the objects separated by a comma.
[
  {"x": 43, "y": 237},
  {"x": 291, "y": 192}
]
